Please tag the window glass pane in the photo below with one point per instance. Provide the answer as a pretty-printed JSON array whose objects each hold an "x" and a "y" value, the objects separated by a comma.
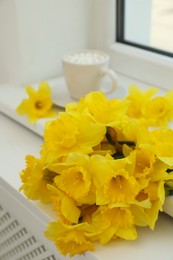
[{"x": 149, "y": 23}]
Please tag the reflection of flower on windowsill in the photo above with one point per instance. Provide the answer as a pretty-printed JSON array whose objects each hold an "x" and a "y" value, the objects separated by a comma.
[
  {"x": 103, "y": 168},
  {"x": 38, "y": 104}
]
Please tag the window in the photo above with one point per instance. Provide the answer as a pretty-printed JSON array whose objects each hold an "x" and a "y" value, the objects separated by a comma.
[
  {"x": 130, "y": 61},
  {"x": 146, "y": 24}
]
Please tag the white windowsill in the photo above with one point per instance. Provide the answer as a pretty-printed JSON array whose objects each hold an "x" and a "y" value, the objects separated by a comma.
[{"x": 152, "y": 68}]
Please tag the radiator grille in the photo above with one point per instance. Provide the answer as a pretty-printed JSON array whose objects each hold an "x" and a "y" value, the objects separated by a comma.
[{"x": 17, "y": 243}]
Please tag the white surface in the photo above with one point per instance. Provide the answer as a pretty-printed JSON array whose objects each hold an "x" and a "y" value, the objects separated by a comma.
[{"x": 16, "y": 141}]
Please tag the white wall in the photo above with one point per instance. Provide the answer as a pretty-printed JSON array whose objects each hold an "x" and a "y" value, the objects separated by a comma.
[
  {"x": 36, "y": 33},
  {"x": 9, "y": 55}
]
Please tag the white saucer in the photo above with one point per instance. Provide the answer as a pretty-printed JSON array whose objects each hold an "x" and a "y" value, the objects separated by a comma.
[{"x": 61, "y": 96}]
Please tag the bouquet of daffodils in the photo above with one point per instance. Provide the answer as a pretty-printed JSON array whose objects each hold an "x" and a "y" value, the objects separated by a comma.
[{"x": 105, "y": 166}]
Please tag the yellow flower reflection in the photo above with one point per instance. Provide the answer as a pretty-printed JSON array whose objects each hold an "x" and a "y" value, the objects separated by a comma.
[{"x": 38, "y": 104}]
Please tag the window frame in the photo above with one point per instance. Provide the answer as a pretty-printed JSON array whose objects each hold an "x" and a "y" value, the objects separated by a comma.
[
  {"x": 142, "y": 65},
  {"x": 120, "y": 35}
]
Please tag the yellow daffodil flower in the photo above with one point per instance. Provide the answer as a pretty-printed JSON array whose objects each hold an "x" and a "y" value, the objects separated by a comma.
[
  {"x": 64, "y": 206},
  {"x": 158, "y": 110},
  {"x": 162, "y": 145},
  {"x": 102, "y": 110},
  {"x": 112, "y": 223},
  {"x": 70, "y": 134},
  {"x": 115, "y": 185},
  {"x": 35, "y": 178},
  {"x": 145, "y": 160},
  {"x": 133, "y": 130},
  {"x": 149, "y": 216},
  {"x": 79, "y": 177},
  {"x": 38, "y": 104},
  {"x": 137, "y": 99},
  {"x": 70, "y": 239},
  {"x": 75, "y": 169}
]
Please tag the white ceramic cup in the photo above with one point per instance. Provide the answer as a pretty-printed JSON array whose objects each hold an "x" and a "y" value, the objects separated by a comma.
[{"x": 83, "y": 71}]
